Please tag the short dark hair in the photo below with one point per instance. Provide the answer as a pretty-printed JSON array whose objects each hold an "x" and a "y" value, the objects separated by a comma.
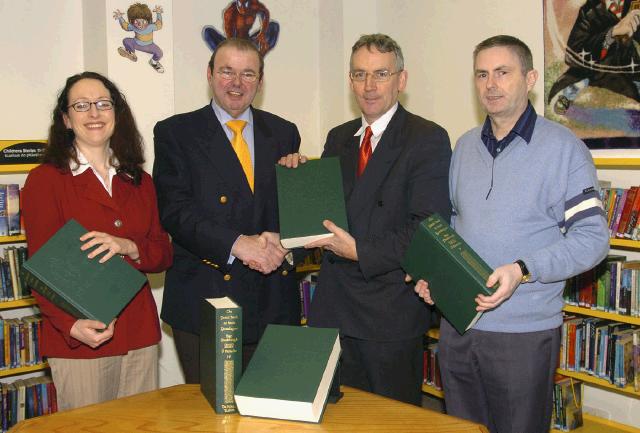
[
  {"x": 511, "y": 42},
  {"x": 240, "y": 44},
  {"x": 382, "y": 43},
  {"x": 126, "y": 141}
]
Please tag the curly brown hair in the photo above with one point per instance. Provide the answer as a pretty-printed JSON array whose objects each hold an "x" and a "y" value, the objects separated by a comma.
[
  {"x": 126, "y": 141},
  {"x": 139, "y": 10}
]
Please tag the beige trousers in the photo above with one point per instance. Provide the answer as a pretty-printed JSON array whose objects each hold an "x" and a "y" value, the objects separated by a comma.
[{"x": 80, "y": 382}]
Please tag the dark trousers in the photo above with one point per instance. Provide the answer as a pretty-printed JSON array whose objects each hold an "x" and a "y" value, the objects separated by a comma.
[
  {"x": 188, "y": 348},
  {"x": 501, "y": 380},
  {"x": 389, "y": 368}
]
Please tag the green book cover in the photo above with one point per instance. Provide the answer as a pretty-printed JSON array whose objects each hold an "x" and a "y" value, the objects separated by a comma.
[
  {"x": 220, "y": 352},
  {"x": 290, "y": 374},
  {"x": 455, "y": 273},
  {"x": 307, "y": 195},
  {"x": 83, "y": 287}
]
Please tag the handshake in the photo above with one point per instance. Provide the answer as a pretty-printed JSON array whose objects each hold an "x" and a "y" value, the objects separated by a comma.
[{"x": 262, "y": 253}]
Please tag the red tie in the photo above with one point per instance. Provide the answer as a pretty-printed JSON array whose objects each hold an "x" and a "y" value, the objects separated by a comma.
[{"x": 365, "y": 151}]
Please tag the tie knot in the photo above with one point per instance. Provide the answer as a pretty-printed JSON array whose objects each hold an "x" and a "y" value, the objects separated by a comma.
[
  {"x": 236, "y": 125},
  {"x": 367, "y": 133}
]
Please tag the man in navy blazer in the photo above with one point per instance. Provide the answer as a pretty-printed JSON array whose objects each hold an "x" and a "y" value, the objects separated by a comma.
[
  {"x": 394, "y": 168},
  {"x": 223, "y": 219}
]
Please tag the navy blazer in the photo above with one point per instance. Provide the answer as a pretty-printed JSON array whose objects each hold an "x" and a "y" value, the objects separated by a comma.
[
  {"x": 405, "y": 180},
  {"x": 205, "y": 203}
]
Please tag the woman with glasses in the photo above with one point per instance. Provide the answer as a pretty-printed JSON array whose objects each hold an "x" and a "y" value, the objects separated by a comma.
[{"x": 92, "y": 172}]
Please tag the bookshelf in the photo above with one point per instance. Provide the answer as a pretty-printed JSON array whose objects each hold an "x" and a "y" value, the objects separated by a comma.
[{"x": 9, "y": 171}]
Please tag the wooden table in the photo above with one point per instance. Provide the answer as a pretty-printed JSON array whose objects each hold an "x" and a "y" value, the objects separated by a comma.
[{"x": 182, "y": 408}]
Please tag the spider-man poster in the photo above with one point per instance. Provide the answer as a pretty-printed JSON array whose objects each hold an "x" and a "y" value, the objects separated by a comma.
[
  {"x": 592, "y": 69},
  {"x": 239, "y": 19}
]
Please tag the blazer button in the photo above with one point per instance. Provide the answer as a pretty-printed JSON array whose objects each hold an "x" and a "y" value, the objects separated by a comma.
[
  {"x": 223, "y": 199},
  {"x": 117, "y": 223},
  {"x": 227, "y": 277},
  {"x": 285, "y": 273}
]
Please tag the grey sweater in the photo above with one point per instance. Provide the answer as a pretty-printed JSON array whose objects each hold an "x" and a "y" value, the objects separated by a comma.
[{"x": 543, "y": 208}]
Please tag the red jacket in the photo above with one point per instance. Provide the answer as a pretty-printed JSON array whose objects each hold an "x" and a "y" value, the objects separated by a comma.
[{"x": 49, "y": 199}]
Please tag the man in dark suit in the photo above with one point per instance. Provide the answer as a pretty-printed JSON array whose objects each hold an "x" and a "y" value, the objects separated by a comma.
[
  {"x": 394, "y": 168},
  {"x": 215, "y": 178}
]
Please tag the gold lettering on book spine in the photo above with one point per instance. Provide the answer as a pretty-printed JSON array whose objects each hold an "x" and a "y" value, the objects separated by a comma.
[
  {"x": 228, "y": 380},
  {"x": 473, "y": 263}
]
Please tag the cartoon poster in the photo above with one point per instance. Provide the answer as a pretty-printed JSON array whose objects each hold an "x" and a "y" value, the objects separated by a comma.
[
  {"x": 239, "y": 19},
  {"x": 139, "y": 20},
  {"x": 592, "y": 69}
]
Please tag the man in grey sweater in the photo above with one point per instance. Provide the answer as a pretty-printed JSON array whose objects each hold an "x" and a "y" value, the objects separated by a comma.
[{"x": 524, "y": 196}]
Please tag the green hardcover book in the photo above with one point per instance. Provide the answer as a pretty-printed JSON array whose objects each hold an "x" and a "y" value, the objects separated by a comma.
[
  {"x": 308, "y": 195},
  {"x": 455, "y": 273},
  {"x": 220, "y": 352},
  {"x": 83, "y": 287},
  {"x": 290, "y": 374}
]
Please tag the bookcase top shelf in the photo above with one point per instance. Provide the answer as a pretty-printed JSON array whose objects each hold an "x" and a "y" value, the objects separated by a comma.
[{"x": 16, "y": 168}]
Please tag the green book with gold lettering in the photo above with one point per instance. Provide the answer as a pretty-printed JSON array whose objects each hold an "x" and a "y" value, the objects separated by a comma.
[
  {"x": 61, "y": 272},
  {"x": 455, "y": 273},
  {"x": 220, "y": 352}
]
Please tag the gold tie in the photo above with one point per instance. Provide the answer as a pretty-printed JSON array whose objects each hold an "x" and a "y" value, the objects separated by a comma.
[{"x": 242, "y": 149}]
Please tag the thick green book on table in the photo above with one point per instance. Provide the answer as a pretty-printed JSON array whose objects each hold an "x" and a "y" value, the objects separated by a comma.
[
  {"x": 290, "y": 373},
  {"x": 455, "y": 273},
  {"x": 220, "y": 352},
  {"x": 308, "y": 195},
  {"x": 61, "y": 272}
]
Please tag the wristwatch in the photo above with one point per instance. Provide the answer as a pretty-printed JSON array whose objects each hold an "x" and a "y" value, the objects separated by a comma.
[{"x": 526, "y": 275}]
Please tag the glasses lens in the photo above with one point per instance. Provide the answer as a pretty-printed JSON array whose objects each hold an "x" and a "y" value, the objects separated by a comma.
[
  {"x": 249, "y": 77},
  {"x": 104, "y": 105},
  {"x": 381, "y": 75},
  {"x": 81, "y": 106}
]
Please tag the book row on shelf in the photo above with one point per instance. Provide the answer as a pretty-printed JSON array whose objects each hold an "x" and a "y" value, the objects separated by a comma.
[
  {"x": 26, "y": 398},
  {"x": 19, "y": 339},
  {"x": 622, "y": 207},
  {"x": 10, "y": 224},
  {"x": 12, "y": 286},
  {"x": 601, "y": 348},
  {"x": 611, "y": 286}
]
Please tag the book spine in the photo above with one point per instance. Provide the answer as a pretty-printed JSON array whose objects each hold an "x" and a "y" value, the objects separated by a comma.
[
  {"x": 228, "y": 357},
  {"x": 44, "y": 290},
  {"x": 4, "y": 222},
  {"x": 13, "y": 209},
  {"x": 452, "y": 243}
]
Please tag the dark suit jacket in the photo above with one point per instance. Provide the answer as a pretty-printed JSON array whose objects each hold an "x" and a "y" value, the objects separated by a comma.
[
  {"x": 405, "y": 180},
  {"x": 205, "y": 203}
]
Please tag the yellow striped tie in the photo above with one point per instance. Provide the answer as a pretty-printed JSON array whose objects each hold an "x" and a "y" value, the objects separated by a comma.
[{"x": 242, "y": 149}]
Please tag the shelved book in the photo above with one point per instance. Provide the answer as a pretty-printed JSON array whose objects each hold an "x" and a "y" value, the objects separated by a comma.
[
  {"x": 601, "y": 348},
  {"x": 307, "y": 196},
  {"x": 61, "y": 272},
  {"x": 220, "y": 352},
  {"x": 611, "y": 286},
  {"x": 26, "y": 398},
  {"x": 290, "y": 374},
  {"x": 19, "y": 339},
  {"x": 567, "y": 404},
  {"x": 12, "y": 287},
  {"x": 455, "y": 273}
]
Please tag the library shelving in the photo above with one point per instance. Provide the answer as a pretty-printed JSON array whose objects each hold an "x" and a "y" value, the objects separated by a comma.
[{"x": 24, "y": 302}]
